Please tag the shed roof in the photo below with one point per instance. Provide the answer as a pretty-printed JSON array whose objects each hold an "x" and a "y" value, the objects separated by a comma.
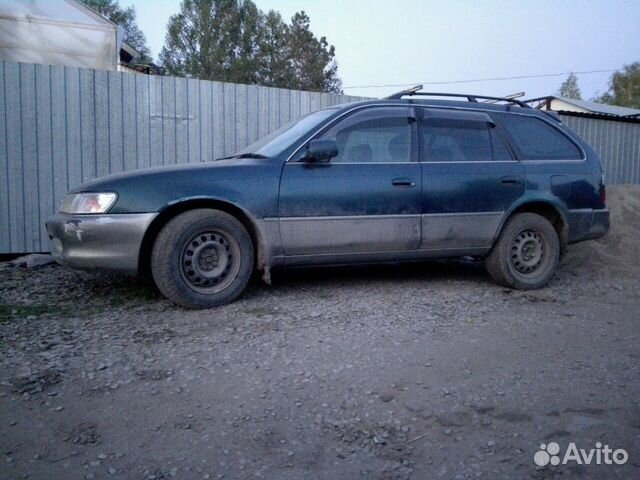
[{"x": 591, "y": 107}]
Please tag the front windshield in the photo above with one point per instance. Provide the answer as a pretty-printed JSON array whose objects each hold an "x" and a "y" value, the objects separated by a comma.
[{"x": 282, "y": 138}]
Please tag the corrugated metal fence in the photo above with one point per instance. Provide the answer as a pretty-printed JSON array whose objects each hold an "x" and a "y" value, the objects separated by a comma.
[
  {"x": 617, "y": 143},
  {"x": 61, "y": 126}
]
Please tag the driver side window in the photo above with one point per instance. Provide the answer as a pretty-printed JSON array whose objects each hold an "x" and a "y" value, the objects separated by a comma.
[{"x": 374, "y": 135}]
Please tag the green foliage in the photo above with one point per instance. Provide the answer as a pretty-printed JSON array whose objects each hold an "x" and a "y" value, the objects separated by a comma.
[
  {"x": 11, "y": 312},
  {"x": 273, "y": 63},
  {"x": 624, "y": 87},
  {"x": 570, "y": 89},
  {"x": 312, "y": 61},
  {"x": 126, "y": 18},
  {"x": 214, "y": 40},
  {"x": 233, "y": 41}
]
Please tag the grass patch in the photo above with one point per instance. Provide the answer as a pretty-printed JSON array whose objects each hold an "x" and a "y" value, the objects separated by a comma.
[{"x": 11, "y": 312}]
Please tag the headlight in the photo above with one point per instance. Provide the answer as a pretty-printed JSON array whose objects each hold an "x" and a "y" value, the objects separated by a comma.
[{"x": 88, "y": 202}]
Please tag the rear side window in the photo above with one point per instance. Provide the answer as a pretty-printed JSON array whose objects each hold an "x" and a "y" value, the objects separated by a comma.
[
  {"x": 461, "y": 140},
  {"x": 534, "y": 139}
]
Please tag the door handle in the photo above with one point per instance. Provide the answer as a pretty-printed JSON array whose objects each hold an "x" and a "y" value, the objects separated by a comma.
[
  {"x": 403, "y": 182},
  {"x": 511, "y": 180}
]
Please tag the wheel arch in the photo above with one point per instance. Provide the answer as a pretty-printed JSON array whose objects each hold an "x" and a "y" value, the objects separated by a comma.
[
  {"x": 176, "y": 208},
  {"x": 547, "y": 209}
]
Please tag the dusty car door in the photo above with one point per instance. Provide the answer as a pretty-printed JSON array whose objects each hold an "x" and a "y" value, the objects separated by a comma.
[
  {"x": 366, "y": 199},
  {"x": 470, "y": 178}
]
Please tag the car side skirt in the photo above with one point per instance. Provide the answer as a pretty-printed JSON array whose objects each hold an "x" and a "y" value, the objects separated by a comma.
[{"x": 377, "y": 257}]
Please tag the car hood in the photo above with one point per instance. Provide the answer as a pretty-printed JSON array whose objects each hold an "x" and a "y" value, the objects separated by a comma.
[
  {"x": 220, "y": 170},
  {"x": 152, "y": 189}
]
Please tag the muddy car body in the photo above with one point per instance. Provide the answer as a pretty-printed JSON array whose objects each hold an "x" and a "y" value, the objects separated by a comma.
[{"x": 383, "y": 180}]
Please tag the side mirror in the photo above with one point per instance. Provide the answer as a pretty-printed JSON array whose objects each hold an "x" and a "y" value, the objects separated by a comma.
[{"x": 320, "y": 151}]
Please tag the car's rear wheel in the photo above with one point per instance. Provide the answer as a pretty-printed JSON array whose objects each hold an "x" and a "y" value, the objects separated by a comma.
[
  {"x": 526, "y": 254},
  {"x": 202, "y": 258}
]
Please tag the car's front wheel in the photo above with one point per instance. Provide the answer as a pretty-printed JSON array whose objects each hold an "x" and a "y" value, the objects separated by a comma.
[
  {"x": 202, "y": 258},
  {"x": 526, "y": 254}
]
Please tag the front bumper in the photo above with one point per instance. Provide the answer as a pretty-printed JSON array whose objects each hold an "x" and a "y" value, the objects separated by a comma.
[
  {"x": 98, "y": 242},
  {"x": 588, "y": 224}
]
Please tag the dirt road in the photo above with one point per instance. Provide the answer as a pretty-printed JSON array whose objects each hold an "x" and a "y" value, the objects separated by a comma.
[{"x": 420, "y": 371}]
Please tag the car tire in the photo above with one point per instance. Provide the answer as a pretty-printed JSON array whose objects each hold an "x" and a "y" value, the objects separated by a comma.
[
  {"x": 202, "y": 258},
  {"x": 526, "y": 254}
]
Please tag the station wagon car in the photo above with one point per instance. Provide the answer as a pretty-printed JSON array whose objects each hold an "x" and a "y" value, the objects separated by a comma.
[{"x": 412, "y": 176}]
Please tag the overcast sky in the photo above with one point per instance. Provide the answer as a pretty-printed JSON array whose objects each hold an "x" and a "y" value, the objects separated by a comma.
[{"x": 380, "y": 42}]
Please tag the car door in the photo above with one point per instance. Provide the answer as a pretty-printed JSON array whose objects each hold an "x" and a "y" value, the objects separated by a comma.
[
  {"x": 470, "y": 178},
  {"x": 366, "y": 199}
]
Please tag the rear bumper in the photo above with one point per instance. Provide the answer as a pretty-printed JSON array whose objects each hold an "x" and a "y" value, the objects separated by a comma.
[
  {"x": 588, "y": 224},
  {"x": 98, "y": 242}
]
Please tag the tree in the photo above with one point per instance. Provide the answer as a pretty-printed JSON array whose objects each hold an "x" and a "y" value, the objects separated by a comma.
[
  {"x": 569, "y": 88},
  {"x": 273, "y": 56},
  {"x": 125, "y": 18},
  {"x": 213, "y": 40},
  {"x": 624, "y": 87},
  {"x": 312, "y": 61},
  {"x": 233, "y": 41}
]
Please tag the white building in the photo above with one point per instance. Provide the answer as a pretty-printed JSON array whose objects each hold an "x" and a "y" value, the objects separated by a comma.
[
  {"x": 60, "y": 32},
  {"x": 564, "y": 104}
]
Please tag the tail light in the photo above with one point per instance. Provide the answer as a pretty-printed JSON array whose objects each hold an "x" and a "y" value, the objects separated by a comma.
[{"x": 603, "y": 191}]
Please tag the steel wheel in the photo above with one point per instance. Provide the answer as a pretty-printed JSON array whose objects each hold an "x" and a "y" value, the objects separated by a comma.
[
  {"x": 528, "y": 252},
  {"x": 202, "y": 258},
  {"x": 210, "y": 261}
]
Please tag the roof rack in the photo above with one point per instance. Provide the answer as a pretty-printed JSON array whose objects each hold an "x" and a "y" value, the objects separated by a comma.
[{"x": 413, "y": 91}]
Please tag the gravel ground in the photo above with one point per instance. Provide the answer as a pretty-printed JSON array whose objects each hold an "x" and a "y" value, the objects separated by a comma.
[{"x": 414, "y": 371}]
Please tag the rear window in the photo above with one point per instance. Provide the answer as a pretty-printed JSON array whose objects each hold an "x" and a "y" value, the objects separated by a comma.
[{"x": 535, "y": 139}]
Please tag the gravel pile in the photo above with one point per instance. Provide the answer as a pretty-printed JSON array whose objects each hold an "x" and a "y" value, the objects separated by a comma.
[{"x": 617, "y": 253}]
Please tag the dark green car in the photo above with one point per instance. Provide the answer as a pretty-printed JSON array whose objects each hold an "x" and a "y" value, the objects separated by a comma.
[{"x": 403, "y": 178}]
